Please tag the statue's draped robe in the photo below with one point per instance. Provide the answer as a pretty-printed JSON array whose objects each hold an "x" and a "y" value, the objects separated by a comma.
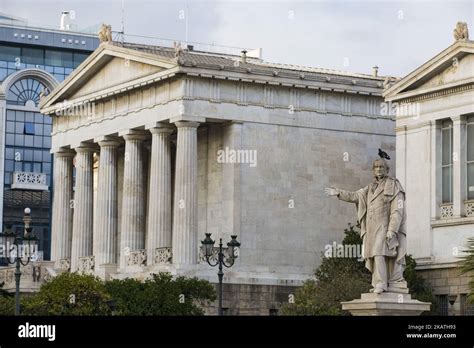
[{"x": 380, "y": 208}]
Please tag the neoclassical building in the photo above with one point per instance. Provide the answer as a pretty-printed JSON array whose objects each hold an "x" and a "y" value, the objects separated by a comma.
[
  {"x": 435, "y": 164},
  {"x": 154, "y": 146}
]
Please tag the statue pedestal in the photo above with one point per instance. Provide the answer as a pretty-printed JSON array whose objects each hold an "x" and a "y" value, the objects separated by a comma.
[{"x": 395, "y": 301}]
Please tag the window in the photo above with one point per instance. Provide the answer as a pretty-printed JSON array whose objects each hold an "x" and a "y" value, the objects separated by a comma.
[
  {"x": 470, "y": 157},
  {"x": 466, "y": 307},
  {"x": 442, "y": 304},
  {"x": 29, "y": 128},
  {"x": 447, "y": 161},
  {"x": 58, "y": 58},
  {"x": 79, "y": 58},
  {"x": 27, "y": 166},
  {"x": 33, "y": 56},
  {"x": 25, "y": 90},
  {"x": 9, "y": 53}
]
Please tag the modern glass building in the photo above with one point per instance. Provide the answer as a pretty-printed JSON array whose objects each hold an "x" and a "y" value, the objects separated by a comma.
[{"x": 32, "y": 61}]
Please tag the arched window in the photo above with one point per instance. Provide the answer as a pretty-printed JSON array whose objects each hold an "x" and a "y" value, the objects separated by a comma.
[{"x": 25, "y": 92}]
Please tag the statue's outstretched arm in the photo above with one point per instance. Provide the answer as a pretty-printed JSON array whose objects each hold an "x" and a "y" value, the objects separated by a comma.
[{"x": 343, "y": 195}]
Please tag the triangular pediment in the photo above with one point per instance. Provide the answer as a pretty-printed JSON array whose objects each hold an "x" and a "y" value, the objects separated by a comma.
[
  {"x": 452, "y": 67},
  {"x": 114, "y": 72},
  {"x": 108, "y": 67},
  {"x": 457, "y": 71}
]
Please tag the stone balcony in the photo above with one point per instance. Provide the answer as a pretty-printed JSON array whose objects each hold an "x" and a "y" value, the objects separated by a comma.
[
  {"x": 29, "y": 181},
  {"x": 32, "y": 276}
]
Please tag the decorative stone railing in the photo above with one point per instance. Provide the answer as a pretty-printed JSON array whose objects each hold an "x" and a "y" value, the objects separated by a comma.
[
  {"x": 214, "y": 256},
  {"x": 32, "y": 276},
  {"x": 469, "y": 208},
  {"x": 136, "y": 258},
  {"x": 64, "y": 265},
  {"x": 446, "y": 211},
  {"x": 86, "y": 265},
  {"x": 29, "y": 181},
  {"x": 163, "y": 255}
]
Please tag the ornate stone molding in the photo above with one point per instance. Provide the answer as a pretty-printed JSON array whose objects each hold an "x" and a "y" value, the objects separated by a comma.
[
  {"x": 86, "y": 265},
  {"x": 437, "y": 94},
  {"x": 29, "y": 180},
  {"x": 136, "y": 258},
  {"x": 213, "y": 257},
  {"x": 64, "y": 265},
  {"x": 163, "y": 255},
  {"x": 446, "y": 211},
  {"x": 469, "y": 208}
]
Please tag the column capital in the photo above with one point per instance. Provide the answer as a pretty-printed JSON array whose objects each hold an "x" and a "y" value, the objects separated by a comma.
[
  {"x": 160, "y": 127},
  {"x": 161, "y": 130},
  {"x": 64, "y": 153},
  {"x": 186, "y": 124},
  {"x": 85, "y": 147},
  {"x": 108, "y": 141},
  {"x": 133, "y": 134}
]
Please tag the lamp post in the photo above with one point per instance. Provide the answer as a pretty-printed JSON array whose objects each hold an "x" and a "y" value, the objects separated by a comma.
[
  {"x": 232, "y": 254},
  {"x": 27, "y": 243}
]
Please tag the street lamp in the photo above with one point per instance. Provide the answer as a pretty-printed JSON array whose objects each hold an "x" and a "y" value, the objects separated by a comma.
[
  {"x": 232, "y": 254},
  {"x": 27, "y": 243}
]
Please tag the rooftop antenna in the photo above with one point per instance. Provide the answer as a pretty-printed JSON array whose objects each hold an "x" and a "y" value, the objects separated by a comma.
[
  {"x": 186, "y": 21},
  {"x": 122, "y": 26}
]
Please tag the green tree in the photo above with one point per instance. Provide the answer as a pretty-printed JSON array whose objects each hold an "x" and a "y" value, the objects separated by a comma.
[
  {"x": 68, "y": 294},
  {"x": 338, "y": 279},
  {"x": 344, "y": 279},
  {"x": 161, "y": 295},
  {"x": 467, "y": 266},
  {"x": 7, "y": 302}
]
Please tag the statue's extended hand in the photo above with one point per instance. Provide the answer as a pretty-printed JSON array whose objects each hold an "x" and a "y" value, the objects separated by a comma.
[
  {"x": 331, "y": 191},
  {"x": 390, "y": 235}
]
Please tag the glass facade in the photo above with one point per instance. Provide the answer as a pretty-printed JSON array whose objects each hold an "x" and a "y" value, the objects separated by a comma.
[
  {"x": 28, "y": 134},
  {"x": 58, "y": 63}
]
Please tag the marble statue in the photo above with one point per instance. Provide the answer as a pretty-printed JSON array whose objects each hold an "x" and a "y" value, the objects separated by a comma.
[
  {"x": 177, "y": 49},
  {"x": 381, "y": 215},
  {"x": 105, "y": 33},
  {"x": 461, "y": 32}
]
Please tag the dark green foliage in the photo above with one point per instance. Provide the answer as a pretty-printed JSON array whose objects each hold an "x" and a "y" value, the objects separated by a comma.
[
  {"x": 75, "y": 294},
  {"x": 467, "y": 266},
  {"x": 160, "y": 295},
  {"x": 7, "y": 305},
  {"x": 339, "y": 279},
  {"x": 68, "y": 294}
]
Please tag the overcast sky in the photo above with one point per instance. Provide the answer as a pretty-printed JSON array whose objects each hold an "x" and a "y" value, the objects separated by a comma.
[{"x": 352, "y": 35}]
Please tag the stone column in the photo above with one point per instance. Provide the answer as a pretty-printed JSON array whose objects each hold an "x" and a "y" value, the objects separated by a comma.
[
  {"x": 105, "y": 240},
  {"x": 62, "y": 209},
  {"x": 133, "y": 200},
  {"x": 159, "y": 203},
  {"x": 185, "y": 237},
  {"x": 459, "y": 165},
  {"x": 82, "y": 226}
]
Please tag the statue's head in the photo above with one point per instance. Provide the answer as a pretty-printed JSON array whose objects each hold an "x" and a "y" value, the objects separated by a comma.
[{"x": 380, "y": 168}]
